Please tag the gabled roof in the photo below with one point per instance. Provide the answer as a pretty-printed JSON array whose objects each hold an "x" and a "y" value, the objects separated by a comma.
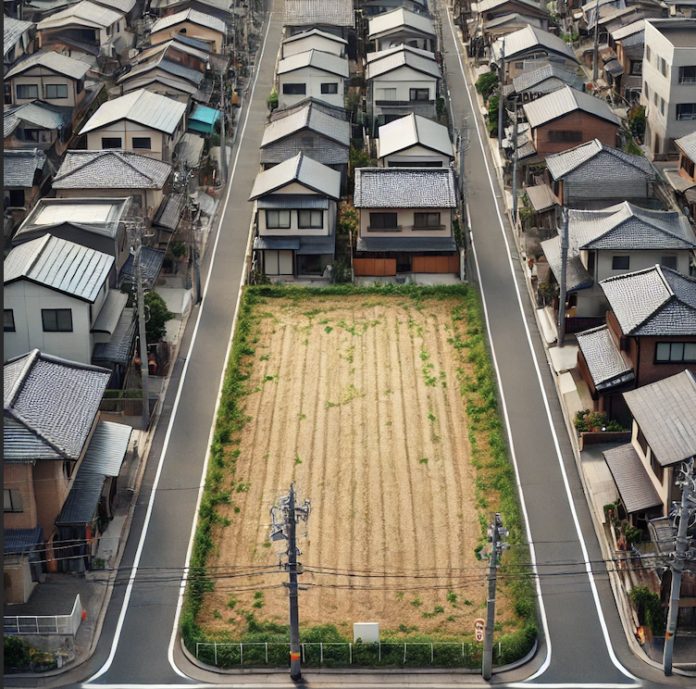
[
  {"x": 311, "y": 118},
  {"x": 124, "y": 6},
  {"x": 318, "y": 59},
  {"x": 303, "y": 170},
  {"x": 631, "y": 478},
  {"x": 665, "y": 411},
  {"x": 541, "y": 197},
  {"x": 512, "y": 18},
  {"x": 320, "y": 105},
  {"x": 545, "y": 79},
  {"x": 13, "y": 29},
  {"x": 687, "y": 144},
  {"x": 561, "y": 164},
  {"x": 381, "y": 54},
  {"x": 490, "y": 5},
  {"x": 628, "y": 30},
  {"x": 174, "y": 44},
  {"x": 160, "y": 62},
  {"x": 110, "y": 169},
  {"x": 143, "y": 81},
  {"x": 395, "y": 20},
  {"x": 403, "y": 187},
  {"x": 59, "y": 265},
  {"x": 193, "y": 17},
  {"x": 39, "y": 114},
  {"x": 414, "y": 130},
  {"x": 224, "y": 5},
  {"x": 395, "y": 58},
  {"x": 149, "y": 109},
  {"x": 315, "y": 32},
  {"x": 20, "y": 167},
  {"x": 50, "y": 405},
  {"x": 604, "y": 361},
  {"x": 655, "y": 302},
  {"x": 324, "y": 13},
  {"x": 564, "y": 101},
  {"x": 189, "y": 41},
  {"x": 531, "y": 38},
  {"x": 85, "y": 13},
  {"x": 60, "y": 64},
  {"x": 577, "y": 277}
]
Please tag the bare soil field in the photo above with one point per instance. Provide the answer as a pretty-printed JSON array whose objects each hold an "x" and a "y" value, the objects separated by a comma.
[{"x": 357, "y": 400}]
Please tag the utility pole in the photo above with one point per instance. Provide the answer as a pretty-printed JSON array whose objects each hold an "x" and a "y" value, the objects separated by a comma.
[
  {"x": 564, "y": 262},
  {"x": 284, "y": 517},
  {"x": 496, "y": 531},
  {"x": 223, "y": 148},
  {"x": 595, "y": 55},
  {"x": 501, "y": 85},
  {"x": 514, "y": 166},
  {"x": 678, "y": 559}
]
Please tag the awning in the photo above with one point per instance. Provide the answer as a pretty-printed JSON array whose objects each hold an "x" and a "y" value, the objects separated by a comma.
[
  {"x": 323, "y": 245},
  {"x": 118, "y": 348},
  {"x": 541, "y": 197},
  {"x": 676, "y": 181},
  {"x": 635, "y": 487},
  {"x": 276, "y": 243},
  {"x": 407, "y": 244},
  {"x": 110, "y": 313},
  {"x": 614, "y": 68},
  {"x": 293, "y": 201},
  {"x": 170, "y": 211},
  {"x": 22, "y": 540}
]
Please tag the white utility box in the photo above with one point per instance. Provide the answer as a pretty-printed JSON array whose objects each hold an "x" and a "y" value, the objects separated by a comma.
[{"x": 368, "y": 632}]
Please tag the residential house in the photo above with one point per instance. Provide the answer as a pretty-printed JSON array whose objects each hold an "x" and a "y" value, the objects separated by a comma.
[
  {"x": 308, "y": 129},
  {"x": 683, "y": 179},
  {"x": 663, "y": 436},
  {"x": 371, "y": 8},
  {"x": 565, "y": 118},
  {"x": 546, "y": 79},
  {"x": 114, "y": 174},
  {"x": 401, "y": 81},
  {"x": 401, "y": 27},
  {"x": 669, "y": 83},
  {"x": 57, "y": 295},
  {"x": 17, "y": 40},
  {"x": 178, "y": 49},
  {"x": 331, "y": 16},
  {"x": 544, "y": 206},
  {"x": 319, "y": 105},
  {"x": 132, "y": 9},
  {"x": 26, "y": 174},
  {"x": 315, "y": 74},
  {"x": 414, "y": 141},
  {"x": 493, "y": 29},
  {"x": 628, "y": 42},
  {"x": 216, "y": 8},
  {"x": 649, "y": 335},
  {"x": 614, "y": 241},
  {"x": 193, "y": 24},
  {"x": 59, "y": 459},
  {"x": 605, "y": 8},
  {"x": 35, "y": 125},
  {"x": 140, "y": 121},
  {"x": 594, "y": 175},
  {"x": 314, "y": 39},
  {"x": 295, "y": 204},
  {"x": 406, "y": 219},
  {"x": 491, "y": 11},
  {"x": 87, "y": 26},
  {"x": 96, "y": 223},
  {"x": 529, "y": 49}
]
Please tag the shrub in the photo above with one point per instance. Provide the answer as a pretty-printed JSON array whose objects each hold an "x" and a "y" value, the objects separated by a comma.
[
  {"x": 156, "y": 326},
  {"x": 636, "y": 121},
  {"x": 486, "y": 84},
  {"x": 632, "y": 534},
  {"x": 178, "y": 249},
  {"x": 649, "y": 608},
  {"x": 16, "y": 653},
  {"x": 272, "y": 100}
]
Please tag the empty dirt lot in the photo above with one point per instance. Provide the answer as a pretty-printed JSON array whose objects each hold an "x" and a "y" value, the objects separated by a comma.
[{"x": 357, "y": 400}]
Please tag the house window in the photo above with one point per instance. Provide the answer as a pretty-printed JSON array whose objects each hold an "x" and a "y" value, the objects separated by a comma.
[
  {"x": 111, "y": 142},
  {"x": 688, "y": 166},
  {"x": 620, "y": 262},
  {"x": 668, "y": 262},
  {"x": 310, "y": 219},
  {"x": 386, "y": 94},
  {"x": 656, "y": 467},
  {"x": 648, "y": 53},
  {"x": 424, "y": 221},
  {"x": 419, "y": 94},
  {"x": 662, "y": 106},
  {"x": 8, "y": 93},
  {"x": 277, "y": 220},
  {"x": 16, "y": 198},
  {"x": 11, "y": 500},
  {"x": 662, "y": 66},
  {"x": 655, "y": 98},
  {"x": 646, "y": 90},
  {"x": 383, "y": 221},
  {"x": 144, "y": 142},
  {"x": 294, "y": 89},
  {"x": 670, "y": 352},
  {"x": 9, "y": 321},
  {"x": 330, "y": 88},
  {"x": 25, "y": 91},
  {"x": 686, "y": 111},
  {"x": 57, "y": 320},
  {"x": 56, "y": 90},
  {"x": 642, "y": 442},
  {"x": 591, "y": 262},
  {"x": 687, "y": 75},
  {"x": 566, "y": 136},
  {"x": 636, "y": 67}
]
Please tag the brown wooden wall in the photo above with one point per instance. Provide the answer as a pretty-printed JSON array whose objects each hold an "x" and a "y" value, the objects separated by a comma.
[{"x": 591, "y": 128}]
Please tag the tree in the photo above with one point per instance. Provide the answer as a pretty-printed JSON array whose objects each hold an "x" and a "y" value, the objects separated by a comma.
[
  {"x": 156, "y": 326},
  {"x": 486, "y": 84}
]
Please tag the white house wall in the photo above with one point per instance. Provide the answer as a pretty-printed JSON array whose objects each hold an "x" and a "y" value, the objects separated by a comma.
[
  {"x": 151, "y": 198},
  {"x": 126, "y": 131},
  {"x": 313, "y": 79},
  {"x": 416, "y": 155},
  {"x": 403, "y": 80}
]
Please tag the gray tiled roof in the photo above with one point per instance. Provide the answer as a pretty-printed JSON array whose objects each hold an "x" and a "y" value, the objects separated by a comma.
[
  {"x": 20, "y": 167},
  {"x": 59, "y": 265},
  {"x": 169, "y": 213},
  {"x": 12, "y": 31},
  {"x": 541, "y": 197},
  {"x": 394, "y": 59},
  {"x": 111, "y": 169},
  {"x": 631, "y": 478},
  {"x": 688, "y": 145},
  {"x": 629, "y": 227},
  {"x": 577, "y": 276},
  {"x": 36, "y": 114},
  {"x": 628, "y": 30},
  {"x": 151, "y": 263},
  {"x": 604, "y": 361},
  {"x": 414, "y": 130},
  {"x": 117, "y": 349},
  {"x": 665, "y": 411},
  {"x": 61, "y": 64},
  {"x": 560, "y": 164},
  {"x": 50, "y": 406},
  {"x": 564, "y": 101},
  {"x": 655, "y": 301},
  {"x": 143, "y": 107},
  {"x": 319, "y": 13},
  {"x": 144, "y": 81},
  {"x": 397, "y": 244},
  {"x": 325, "y": 151},
  {"x": 316, "y": 245},
  {"x": 532, "y": 38},
  {"x": 177, "y": 70},
  {"x": 399, "y": 19},
  {"x": 317, "y": 59},
  {"x": 545, "y": 79},
  {"x": 192, "y": 16},
  {"x": 175, "y": 45},
  {"x": 308, "y": 117},
  {"x": 395, "y": 187},
  {"x": 294, "y": 201},
  {"x": 319, "y": 105},
  {"x": 381, "y": 54},
  {"x": 301, "y": 169},
  {"x": 276, "y": 243}
]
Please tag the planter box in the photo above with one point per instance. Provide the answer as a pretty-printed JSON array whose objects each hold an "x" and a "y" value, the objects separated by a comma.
[{"x": 600, "y": 437}]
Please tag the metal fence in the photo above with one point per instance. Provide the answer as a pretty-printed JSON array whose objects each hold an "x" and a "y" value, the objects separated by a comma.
[{"x": 45, "y": 624}]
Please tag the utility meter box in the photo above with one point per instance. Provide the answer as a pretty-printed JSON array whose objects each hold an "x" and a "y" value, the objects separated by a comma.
[{"x": 367, "y": 632}]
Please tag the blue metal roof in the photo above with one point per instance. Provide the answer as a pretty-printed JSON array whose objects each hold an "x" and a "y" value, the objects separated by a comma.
[{"x": 22, "y": 540}]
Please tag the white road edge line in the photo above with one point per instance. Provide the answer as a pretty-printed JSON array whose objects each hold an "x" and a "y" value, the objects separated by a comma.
[
  {"x": 124, "y": 608},
  {"x": 325, "y": 681},
  {"x": 581, "y": 539}
]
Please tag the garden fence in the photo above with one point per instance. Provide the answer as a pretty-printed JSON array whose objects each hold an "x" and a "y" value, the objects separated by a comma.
[{"x": 45, "y": 624}]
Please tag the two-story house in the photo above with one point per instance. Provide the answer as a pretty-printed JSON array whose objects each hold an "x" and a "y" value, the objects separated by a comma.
[
  {"x": 295, "y": 208},
  {"x": 17, "y": 39},
  {"x": 546, "y": 79},
  {"x": 34, "y": 125},
  {"x": 414, "y": 141},
  {"x": 331, "y": 16},
  {"x": 372, "y": 8},
  {"x": 193, "y": 24},
  {"x": 669, "y": 83},
  {"x": 26, "y": 173},
  {"x": 405, "y": 221},
  {"x": 140, "y": 121},
  {"x": 493, "y": 15},
  {"x": 113, "y": 174},
  {"x": 401, "y": 81},
  {"x": 313, "y": 74},
  {"x": 628, "y": 41},
  {"x": 178, "y": 49},
  {"x": 650, "y": 334},
  {"x": 401, "y": 27},
  {"x": 314, "y": 39}
]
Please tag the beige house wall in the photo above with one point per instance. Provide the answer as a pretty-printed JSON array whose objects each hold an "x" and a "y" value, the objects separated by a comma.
[{"x": 191, "y": 31}]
